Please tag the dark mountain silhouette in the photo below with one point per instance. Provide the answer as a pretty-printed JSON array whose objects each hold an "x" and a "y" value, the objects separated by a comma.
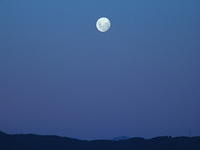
[
  {"x": 120, "y": 138},
  {"x": 2, "y": 133},
  {"x": 38, "y": 142}
]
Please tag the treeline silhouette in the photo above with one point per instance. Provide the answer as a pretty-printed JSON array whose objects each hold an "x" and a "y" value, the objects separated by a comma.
[{"x": 38, "y": 142}]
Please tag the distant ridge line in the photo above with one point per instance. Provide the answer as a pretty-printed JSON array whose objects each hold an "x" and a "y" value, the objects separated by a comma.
[{"x": 52, "y": 142}]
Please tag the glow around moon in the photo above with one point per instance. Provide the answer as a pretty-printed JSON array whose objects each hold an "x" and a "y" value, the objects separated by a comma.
[{"x": 103, "y": 24}]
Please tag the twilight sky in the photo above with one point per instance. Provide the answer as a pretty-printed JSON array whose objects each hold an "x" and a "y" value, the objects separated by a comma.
[{"x": 59, "y": 75}]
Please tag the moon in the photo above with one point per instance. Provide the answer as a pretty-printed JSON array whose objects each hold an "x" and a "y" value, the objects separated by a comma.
[{"x": 103, "y": 24}]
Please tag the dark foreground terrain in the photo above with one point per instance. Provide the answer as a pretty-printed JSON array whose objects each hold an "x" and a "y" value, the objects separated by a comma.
[{"x": 37, "y": 142}]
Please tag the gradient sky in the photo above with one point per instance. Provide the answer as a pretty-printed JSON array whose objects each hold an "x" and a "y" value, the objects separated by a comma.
[{"x": 59, "y": 75}]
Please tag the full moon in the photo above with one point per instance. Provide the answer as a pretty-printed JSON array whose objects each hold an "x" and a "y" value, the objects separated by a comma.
[{"x": 103, "y": 24}]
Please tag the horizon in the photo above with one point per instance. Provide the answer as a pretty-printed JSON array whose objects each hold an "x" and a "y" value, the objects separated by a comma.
[{"x": 118, "y": 138}]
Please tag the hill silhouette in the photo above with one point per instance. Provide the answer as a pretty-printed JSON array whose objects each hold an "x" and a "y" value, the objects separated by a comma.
[
  {"x": 120, "y": 138},
  {"x": 39, "y": 142}
]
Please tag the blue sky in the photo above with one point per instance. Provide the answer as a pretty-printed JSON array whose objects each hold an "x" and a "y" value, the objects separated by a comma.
[{"x": 59, "y": 75}]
